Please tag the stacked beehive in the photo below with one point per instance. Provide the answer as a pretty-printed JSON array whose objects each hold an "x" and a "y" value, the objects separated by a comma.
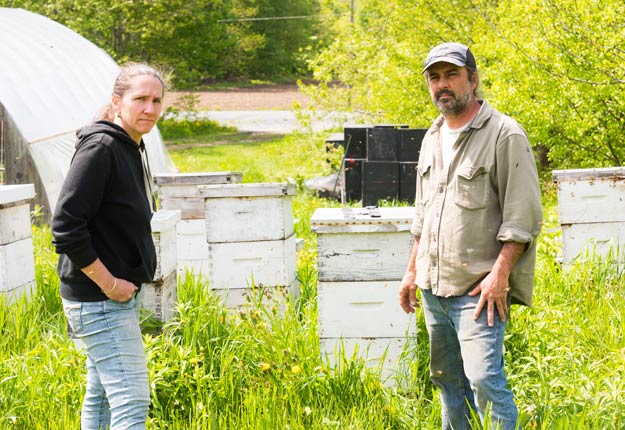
[
  {"x": 180, "y": 191},
  {"x": 161, "y": 295},
  {"x": 250, "y": 239},
  {"x": 17, "y": 264},
  {"x": 362, "y": 255},
  {"x": 591, "y": 205}
]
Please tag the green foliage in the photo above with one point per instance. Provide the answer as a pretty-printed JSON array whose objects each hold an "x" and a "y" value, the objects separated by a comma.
[
  {"x": 555, "y": 66},
  {"x": 175, "y": 128},
  {"x": 190, "y": 36}
]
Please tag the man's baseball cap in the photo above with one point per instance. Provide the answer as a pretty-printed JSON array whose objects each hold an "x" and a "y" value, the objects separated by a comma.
[{"x": 450, "y": 52}]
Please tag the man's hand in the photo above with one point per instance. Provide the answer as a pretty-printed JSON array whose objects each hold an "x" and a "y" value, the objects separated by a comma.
[
  {"x": 408, "y": 293},
  {"x": 407, "y": 288},
  {"x": 493, "y": 292},
  {"x": 494, "y": 287}
]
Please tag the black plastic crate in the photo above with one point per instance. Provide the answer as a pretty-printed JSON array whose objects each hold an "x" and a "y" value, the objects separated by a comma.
[
  {"x": 410, "y": 143},
  {"x": 355, "y": 141},
  {"x": 380, "y": 181},
  {"x": 383, "y": 144},
  {"x": 407, "y": 181},
  {"x": 352, "y": 179}
]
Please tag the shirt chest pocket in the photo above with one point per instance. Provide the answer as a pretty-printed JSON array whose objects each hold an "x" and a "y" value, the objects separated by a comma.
[
  {"x": 471, "y": 187},
  {"x": 424, "y": 183}
]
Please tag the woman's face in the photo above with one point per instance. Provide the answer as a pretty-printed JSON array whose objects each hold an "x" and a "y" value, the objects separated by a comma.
[{"x": 139, "y": 108}]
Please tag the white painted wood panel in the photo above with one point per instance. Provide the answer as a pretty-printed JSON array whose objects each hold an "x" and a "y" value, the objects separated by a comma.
[
  {"x": 180, "y": 190},
  {"x": 15, "y": 223},
  {"x": 379, "y": 352},
  {"x": 241, "y": 219},
  {"x": 601, "y": 238},
  {"x": 26, "y": 289},
  {"x": 160, "y": 297},
  {"x": 247, "y": 190},
  {"x": 196, "y": 178},
  {"x": 239, "y": 264},
  {"x": 192, "y": 244},
  {"x": 194, "y": 268},
  {"x": 363, "y": 256},
  {"x": 362, "y": 220},
  {"x": 10, "y": 194},
  {"x": 585, "y": 201},
  {"x": 361, "y": 309},
  {"x": 268, "y": 297},
  {"x": 17, "y": 264},
  {"x": 164, "y": 235}
]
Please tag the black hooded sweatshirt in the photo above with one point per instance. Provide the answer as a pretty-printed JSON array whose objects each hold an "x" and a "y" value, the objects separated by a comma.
[{"x": 103, "y": 212}]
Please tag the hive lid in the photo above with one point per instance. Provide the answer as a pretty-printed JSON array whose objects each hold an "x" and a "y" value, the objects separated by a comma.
[
  {"x": 368, "y": 219},
  {"x": 197, "y": 178},
  {"x": 589, "y": 174},
  {"x": 16, "y": 193},
  {"x": 247, "y": 190}
]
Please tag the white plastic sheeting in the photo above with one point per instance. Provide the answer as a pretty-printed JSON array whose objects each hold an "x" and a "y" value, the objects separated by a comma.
[{"x": 52, "y": 82}]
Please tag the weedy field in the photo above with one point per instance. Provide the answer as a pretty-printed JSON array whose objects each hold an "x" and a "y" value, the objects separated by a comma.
[{"x": 260, "y": 368}]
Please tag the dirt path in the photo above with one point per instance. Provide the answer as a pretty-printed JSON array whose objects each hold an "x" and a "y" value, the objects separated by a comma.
[{"x": 263, "y": 97}]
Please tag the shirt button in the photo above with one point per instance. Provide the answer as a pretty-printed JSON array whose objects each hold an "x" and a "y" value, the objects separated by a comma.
[{"x": 441, "y": 189}]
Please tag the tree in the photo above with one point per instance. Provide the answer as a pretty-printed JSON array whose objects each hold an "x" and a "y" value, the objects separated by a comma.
[{"x": 555, "y": 66}]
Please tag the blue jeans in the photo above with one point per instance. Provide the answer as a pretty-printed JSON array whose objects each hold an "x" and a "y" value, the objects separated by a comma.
[
  {"x": 466, "y": 362},
  {"x": 118, "y": 392}
]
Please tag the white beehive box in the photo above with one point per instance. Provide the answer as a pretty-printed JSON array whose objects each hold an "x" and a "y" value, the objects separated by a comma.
[
  {"x": 382, "y": 353},
  {"x": 356, "y": 309},
  {"x": 179, "y": 190},
  {"x": 353, "y": 245},
  {"x": 17, "y": 264},
  {"x": 248, "y": 212},
  {"x": 362, "y": 255},
  {"x": 234, "y": 265},
  {"x": 160, "y": 296},
  {"x": 591, "y": 206},
  {"x": 192, "y": 247},
  {"x": 242, "y": 298}
]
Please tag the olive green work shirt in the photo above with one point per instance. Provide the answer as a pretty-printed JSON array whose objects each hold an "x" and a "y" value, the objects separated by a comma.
[{"x": 488, "y": 194}]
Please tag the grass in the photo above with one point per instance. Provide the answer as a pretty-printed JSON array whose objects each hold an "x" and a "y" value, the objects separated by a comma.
[{"x": 260, "y": 368}]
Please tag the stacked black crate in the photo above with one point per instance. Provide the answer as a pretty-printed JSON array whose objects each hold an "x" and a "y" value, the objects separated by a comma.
[
  {"x": 380, "y": 175},
  {"x": 355, "y": 142},
  {"x": 409, "y": 148}
]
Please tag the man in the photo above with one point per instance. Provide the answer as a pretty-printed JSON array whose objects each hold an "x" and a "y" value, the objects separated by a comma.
[{"x": 478, "y": 214}]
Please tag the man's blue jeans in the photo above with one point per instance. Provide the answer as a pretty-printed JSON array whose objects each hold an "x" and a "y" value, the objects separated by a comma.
[
  {"x": 118, "y": 392},
  {"x": 466, "y": 362}
]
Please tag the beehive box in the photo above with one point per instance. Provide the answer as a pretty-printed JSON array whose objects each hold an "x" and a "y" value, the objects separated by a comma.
[
  {"x": 248, "y": 212},
  {"x": 270, "y": 297},
  {"x": 192, "y": 247},
  {"x": 17, "y": 265},
  {"x": 356, "y": 309},
  {"x": 362, "y": 255},
  {"x": 591, "y": 206},
  {"x": 353, "y": 245},
  {"x": 384, "y": 353},
  {"x": 234, "y": 265},
  {"x": 179, "y": 190},
  {"x": 160, "y": 296}
]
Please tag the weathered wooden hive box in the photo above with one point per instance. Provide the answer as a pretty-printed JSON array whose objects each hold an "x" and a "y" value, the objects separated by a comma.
[
  {"x": 250, "y": 238},
  {"x": 161, "y": 296},
  {"x": 362, "y": 255},
  {"x": 591, "y": 206},
  {"x": 180, "y": 191},
  {"x": 17, "y": 264}
]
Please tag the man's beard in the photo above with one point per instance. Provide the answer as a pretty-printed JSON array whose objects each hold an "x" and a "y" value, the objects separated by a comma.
[{"x": 454, "y": 107}]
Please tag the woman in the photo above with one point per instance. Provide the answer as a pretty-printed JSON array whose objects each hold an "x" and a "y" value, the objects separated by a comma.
[{"x": 101, "y": 229}]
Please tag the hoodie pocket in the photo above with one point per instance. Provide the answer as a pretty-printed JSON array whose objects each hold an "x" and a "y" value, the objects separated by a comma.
[{"x": 471, "y": 188}]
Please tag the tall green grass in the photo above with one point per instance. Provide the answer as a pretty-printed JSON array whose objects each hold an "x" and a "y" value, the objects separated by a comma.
[{"x": 260, "y": 367}]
